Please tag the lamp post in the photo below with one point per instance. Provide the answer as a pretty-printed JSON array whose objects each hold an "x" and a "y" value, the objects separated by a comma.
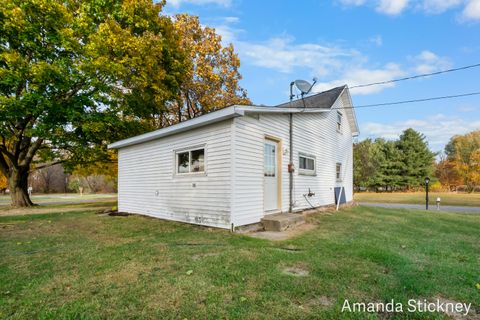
[{"x": 427, "y": 181}]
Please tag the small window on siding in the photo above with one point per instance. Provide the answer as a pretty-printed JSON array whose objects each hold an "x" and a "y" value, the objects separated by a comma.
[
  {"x": 190, "y": 161},
  {"x": 306, "y": 164},
  {"x": 338, "y": 171},
  {"x": 339, "y": 121}
]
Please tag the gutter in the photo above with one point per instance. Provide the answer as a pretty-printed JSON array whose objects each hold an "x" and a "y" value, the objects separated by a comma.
[{"x": 290, "y": 165}]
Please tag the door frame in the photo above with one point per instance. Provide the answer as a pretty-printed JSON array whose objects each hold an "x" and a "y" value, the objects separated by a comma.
[{"x": 278, "y": 141}]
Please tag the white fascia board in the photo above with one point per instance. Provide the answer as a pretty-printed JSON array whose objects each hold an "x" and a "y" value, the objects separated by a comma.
[
  {"x": 212, "y": 117},
  {"x": 356, "y": 128}
]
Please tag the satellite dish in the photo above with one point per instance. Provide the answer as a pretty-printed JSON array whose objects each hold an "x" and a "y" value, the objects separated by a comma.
[{"x": 303, "y": 86}]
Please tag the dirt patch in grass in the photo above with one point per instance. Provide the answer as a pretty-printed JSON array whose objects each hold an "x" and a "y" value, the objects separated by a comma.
[
  {"x": 298, "y": 270},
  {"x": 472, "y": 314},
  {"x": 283, "y": 235},
  {"x": 322, "y": 302}
]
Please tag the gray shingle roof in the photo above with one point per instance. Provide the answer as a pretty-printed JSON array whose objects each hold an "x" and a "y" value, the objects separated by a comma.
[{"x": 323, "y": 99}]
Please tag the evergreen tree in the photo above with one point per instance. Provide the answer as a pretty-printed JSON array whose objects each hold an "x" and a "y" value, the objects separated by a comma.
[
  {"x": 390, "y": 169},
  {"x": 417, "y": 161}
]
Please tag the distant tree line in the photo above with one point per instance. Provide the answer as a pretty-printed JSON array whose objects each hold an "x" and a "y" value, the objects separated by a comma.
[
  {"x": 403, "y": 164},
  {"x": 393, "y": 165}
]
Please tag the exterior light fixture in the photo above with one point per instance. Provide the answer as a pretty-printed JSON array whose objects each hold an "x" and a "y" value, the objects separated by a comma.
[{"x": 427, "y": 181}]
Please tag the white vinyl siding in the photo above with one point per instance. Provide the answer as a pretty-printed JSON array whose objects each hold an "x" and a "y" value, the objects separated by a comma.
[
  {"x": 315, "y": 133},
  {"x": 148, "y": 183}
]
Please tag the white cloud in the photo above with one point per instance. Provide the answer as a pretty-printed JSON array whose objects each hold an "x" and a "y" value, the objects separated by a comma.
[
  {"x": 228, "y": 34},
  {"x": 352, "y": 2},
  {"x": 178, "y": 3},
  {"x": 471, "y": 10},
  {"x": 438, "y": 129},
  {"x": 392, "y": 7},
  {"x": 427, "y": 62},
  {"x": 438, "y": 6},
  {"x": 359, "y": 75},
  {"x": 389, "y": 7},
  {"x": 284, "y": 55}
]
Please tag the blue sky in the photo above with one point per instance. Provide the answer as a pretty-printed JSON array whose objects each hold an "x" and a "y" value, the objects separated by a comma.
[{"x": 356, "y": 42}]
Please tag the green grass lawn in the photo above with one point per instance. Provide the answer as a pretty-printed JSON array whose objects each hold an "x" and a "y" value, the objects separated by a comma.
[
  {"x": 447, "y": 198},
  {"x": 62, "y": 198},
  {"x": 79, "y": 265}
]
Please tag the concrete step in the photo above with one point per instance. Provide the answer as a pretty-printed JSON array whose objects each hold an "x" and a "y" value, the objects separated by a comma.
[{"x": 282, "y": 221}]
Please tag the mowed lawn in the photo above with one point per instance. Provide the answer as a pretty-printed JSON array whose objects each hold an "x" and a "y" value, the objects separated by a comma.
[
  {"x": 83, "y": 266},
  {"x": 447, "y": 198}
]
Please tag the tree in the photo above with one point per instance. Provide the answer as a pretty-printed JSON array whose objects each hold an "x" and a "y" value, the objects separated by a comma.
[
  {"x": 367, "y": 159},
  {"x": 212, "y": 80},
  {"x": 77, "y": 74},
  {"x": 464, "y": 152},
  {"x": 416, "y": 158},
  {"x": 48, "y": 179},
  {"x": 445, "y": 172},
  {"x": 389, "y": 173},
  {"x": 3, "y": 183},
  {"x": 95, "y": 176}
]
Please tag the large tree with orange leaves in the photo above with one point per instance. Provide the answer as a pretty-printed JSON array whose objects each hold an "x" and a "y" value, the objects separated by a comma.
[
  {"x": 212, "y": 79},
  {"x": 463, "y": 151}
]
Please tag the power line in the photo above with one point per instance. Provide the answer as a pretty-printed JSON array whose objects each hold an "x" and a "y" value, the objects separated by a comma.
[
  {"x": 415, "y": 76},
  {"x": 412, "y": 101}
]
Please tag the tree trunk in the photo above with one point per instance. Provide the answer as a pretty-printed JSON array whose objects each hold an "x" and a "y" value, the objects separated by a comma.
[{"x": 18, "y": 185}]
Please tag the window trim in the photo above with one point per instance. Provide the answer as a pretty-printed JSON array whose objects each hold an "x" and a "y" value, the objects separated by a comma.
[
  {"x": 339, "y": 123},
  {"x": 189, "y": 150},
  {"x": 307, "y": 172},
  {"x": 339, "y": 178}
]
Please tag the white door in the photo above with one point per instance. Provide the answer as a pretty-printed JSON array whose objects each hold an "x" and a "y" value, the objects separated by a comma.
[{"x": 270, "y": 176}]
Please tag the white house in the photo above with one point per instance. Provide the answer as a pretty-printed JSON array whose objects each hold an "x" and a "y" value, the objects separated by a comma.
[{"x": 232, "y": 167}]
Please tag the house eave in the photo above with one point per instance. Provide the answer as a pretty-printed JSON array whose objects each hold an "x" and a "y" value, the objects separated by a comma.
[
  {"x": 213, "y": 117},
  {"x": 210, "y": 118}
]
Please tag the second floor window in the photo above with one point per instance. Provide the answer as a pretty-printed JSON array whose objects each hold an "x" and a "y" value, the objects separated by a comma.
[{"x": 339, "y": 122}]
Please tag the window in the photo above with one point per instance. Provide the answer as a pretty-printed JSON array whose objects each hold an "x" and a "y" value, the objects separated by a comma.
[
  {"x": 269, "y": 160},
  {"x": 306, "y": 164},
  {"x": 338, "y": 171},
  {"x": 339, "y": 121},
  {"x": 191, "y": 161}
]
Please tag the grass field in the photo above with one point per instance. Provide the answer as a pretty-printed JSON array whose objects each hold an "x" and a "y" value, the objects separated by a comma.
[
  {"x": 62, "y": 198},
  {"x": 447, "y": 199},
  {"x": 60, "y": 203},
  {"x": 83, "y": 266}
]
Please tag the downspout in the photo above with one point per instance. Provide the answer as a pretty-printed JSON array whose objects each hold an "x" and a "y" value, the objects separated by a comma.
[{"x": 290, "y": 165}]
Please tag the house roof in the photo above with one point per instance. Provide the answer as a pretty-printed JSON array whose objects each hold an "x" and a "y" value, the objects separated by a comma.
[
  {"x": 317, "y": 103},
  {"x": 324, "y": 99}
]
